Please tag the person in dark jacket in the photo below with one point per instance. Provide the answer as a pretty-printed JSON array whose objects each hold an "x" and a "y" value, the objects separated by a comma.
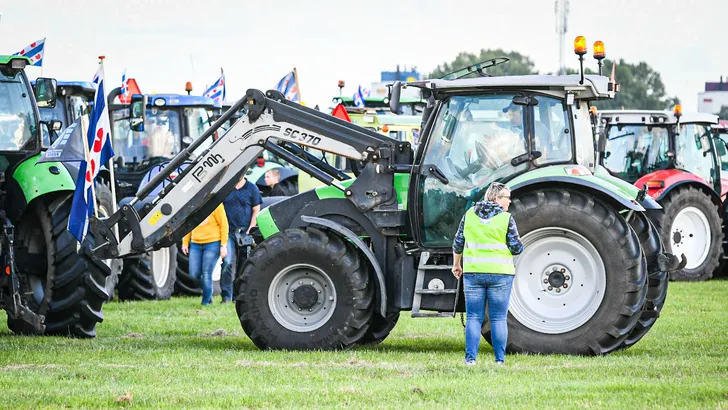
[{"x": 485, "y": 244}]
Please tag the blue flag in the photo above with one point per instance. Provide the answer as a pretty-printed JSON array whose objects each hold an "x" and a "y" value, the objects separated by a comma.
[
  {"x": 217, "y": 90},
  {"x": 288, "y": 86},
  {"x": 34, "y": 52},
  {"x": 99, "y": 153}
]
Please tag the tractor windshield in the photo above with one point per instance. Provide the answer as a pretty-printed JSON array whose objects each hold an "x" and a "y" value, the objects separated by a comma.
[
  {"x": 161, "y": 136},
  {"x": 18, "y": 122},
  {"x": 474, "y": 142},
  {"x": 633, "y": 151}
]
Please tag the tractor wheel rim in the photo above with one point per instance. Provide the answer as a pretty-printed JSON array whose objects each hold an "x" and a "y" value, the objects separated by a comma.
[
  {"x": 302, "y": 297},
  {"x": 160, "y": 266},
  {"x": 560, "y": 281},
  {"x": 690, "y": 235}
]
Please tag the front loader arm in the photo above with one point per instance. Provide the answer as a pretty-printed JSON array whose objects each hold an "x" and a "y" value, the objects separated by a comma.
[{"x": 271, "y": 122}]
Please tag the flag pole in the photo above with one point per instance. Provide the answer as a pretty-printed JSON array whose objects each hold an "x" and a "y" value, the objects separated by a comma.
[
  {"x": 298, "y": 84},
  {"x": 41, "y": 64}
]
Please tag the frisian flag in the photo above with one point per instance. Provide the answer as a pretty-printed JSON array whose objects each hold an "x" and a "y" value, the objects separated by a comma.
[
  {"x": 124, "y": 86},
  {"x": 99, "y": 153},
  {"x": 288, "y": 86},
  {"x": 34, "y": 52},
  {"x": 217, "y": 90},
  {"x": 359, "y": 97}
]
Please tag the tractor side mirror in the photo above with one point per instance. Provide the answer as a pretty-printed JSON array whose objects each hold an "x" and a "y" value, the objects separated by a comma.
[
  {"x": 55, "y": 125},
  {"x": 138, "y": 112},
  {"x": 45, "y": 92},
  {"x": 394, "y": 93}
]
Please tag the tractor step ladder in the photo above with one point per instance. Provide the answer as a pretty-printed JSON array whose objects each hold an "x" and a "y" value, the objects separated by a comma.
[{"x": 420, "y": 288}]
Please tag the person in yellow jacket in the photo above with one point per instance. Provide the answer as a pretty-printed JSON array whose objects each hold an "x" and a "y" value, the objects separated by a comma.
[
  {"x": 205, "y": 244},
  {"x": 485, "y": 244}
]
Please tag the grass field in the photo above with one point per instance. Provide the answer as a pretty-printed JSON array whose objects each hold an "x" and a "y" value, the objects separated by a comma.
[{"x": 175, "y": 354}]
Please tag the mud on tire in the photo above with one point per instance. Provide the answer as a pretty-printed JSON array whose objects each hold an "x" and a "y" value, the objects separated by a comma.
[
  {"x": 565, "y": 228},
  {"x": 675, "y": 202},
  {"x": 285, "y": 273},
  {"x": 68, "y": 288}
]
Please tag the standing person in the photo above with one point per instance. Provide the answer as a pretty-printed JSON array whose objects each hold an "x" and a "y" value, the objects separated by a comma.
[
  {"x": 273, "y": 180},
  {"x": 488, "y": 238},
  {"x": 207, "y": 242},
  {"x": 241, "y": 206}
]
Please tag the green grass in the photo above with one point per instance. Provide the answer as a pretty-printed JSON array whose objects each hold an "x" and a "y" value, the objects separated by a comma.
[{"x": 166, "y": 354}]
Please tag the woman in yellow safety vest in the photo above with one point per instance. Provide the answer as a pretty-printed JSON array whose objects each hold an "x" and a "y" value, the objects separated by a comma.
[{"x": 485, "y": 244}]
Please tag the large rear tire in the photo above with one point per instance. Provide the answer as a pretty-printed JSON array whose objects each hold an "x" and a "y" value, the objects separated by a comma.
[
  {"x": 304, "y": 290},
  {"x": 185, "y": 284},
  {"x": 581, "y": 279},
  {"x": 656, "y": 279},
  {"x": 150, "y": 276},
  {"x": 690, "y": 224},
  {"x": 379, "y": 329},
  {"x": 66, "y": 287}
]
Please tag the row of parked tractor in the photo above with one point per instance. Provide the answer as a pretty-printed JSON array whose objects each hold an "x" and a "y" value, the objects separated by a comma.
[{"x": 599, "y": 248}]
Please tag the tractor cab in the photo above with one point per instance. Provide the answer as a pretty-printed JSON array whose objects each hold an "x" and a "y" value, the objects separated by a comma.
[
  {"x": 639, "y": 143},
  {"x": 501, "y": 129},
  {"x": 165, "y": 125}
]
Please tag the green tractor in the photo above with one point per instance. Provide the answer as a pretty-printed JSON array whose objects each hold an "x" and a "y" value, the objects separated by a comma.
[
  {"x": 49, "y": 286},
  {"x": 338, "y": 264}
]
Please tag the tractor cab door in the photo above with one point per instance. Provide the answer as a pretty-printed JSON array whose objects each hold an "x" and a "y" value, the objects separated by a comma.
[
  {"x": 721, "y": 149},
  {"x": 693, "y": 153},
  {"x": 476, "y": 140}
]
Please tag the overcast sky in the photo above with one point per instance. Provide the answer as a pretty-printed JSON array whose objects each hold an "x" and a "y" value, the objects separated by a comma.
[{"x": 164, "y": 43}]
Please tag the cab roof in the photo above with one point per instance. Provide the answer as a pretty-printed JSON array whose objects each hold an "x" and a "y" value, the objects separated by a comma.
[
  {"x": 176, "y": 100},
  {"x": 594, "y": 87},
  {"x": 85, "y": 85},
  {"x": 6, "y": 59},
  {"x": 656, "y": 116}
]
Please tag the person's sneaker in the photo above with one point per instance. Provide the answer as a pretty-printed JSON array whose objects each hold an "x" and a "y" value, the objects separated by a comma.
[
  {"x": 498, "y": 363},
  {"x": 226, "y": 301},
  {"x": 470, "y": 362}
]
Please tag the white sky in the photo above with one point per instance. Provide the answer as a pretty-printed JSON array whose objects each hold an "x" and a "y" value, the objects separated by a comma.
[{"x": 258, "y": 42}]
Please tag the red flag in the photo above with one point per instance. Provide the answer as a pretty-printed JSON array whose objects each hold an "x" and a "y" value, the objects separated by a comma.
[{"x": 340, "y": 112}]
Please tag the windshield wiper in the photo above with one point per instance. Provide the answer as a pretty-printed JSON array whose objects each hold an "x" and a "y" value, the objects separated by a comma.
[
  {"x": 620, "y": 136},
  {"x": 516, "y": 161}
]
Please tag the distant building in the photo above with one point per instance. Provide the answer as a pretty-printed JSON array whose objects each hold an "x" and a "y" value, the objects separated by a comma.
[
  {"x": 379, "y": 89},
  {"x": 714, "y": 97}
]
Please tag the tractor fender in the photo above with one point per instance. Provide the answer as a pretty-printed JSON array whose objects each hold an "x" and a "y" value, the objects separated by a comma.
[
  {"x": 36, "y": 180},
  {"x": 586, "y": 185},
  {"x": 348, "y": 234},
  {"x": 672, "y": 178}
]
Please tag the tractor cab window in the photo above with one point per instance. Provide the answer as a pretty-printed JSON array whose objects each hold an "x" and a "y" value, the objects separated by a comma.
[
  {"x": 199, "y": 120},
  {"x": 161, "y": 136},
  {"x": 78, "y": 106},
  {"x": 552, "y": 131},
  {"x": 18, "y": 123},
  {"x": 57, "y": 113},
  {"x": 692, "y": 151},
  {"x": 633, "y": 151},
  {"x": 721, "y": 143},
  {"x": 473, "y": 141}
]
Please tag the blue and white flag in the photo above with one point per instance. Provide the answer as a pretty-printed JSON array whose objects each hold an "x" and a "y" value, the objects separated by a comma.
[
  {"x": 124, "y": 86},
  {"x": 288, "y": 86},
  {"x": 217, "y": 90},
  {"x": 99, "y": 153},
  {"x": 359, "y": 97},
  {"x": 34, "y": 52}
]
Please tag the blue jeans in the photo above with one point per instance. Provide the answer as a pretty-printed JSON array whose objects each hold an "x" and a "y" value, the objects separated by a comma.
[
  {"x": 227, "y": 275},
  {"x": 480, "y": 288},
  {"x": 202, "y": 262}
]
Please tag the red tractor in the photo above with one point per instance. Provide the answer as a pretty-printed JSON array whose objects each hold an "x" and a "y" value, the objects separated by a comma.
[{"x": 683, "y": 162}]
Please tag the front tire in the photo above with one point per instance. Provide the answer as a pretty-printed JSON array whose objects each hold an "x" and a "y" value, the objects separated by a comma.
[
  {"x": 150, "y": 276},
  {"x": 689, "y": 224},
  {"x": 56, "y": 281},
  {"x": 304, "y": 290},
  {"x": 575, "y": 240}
]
